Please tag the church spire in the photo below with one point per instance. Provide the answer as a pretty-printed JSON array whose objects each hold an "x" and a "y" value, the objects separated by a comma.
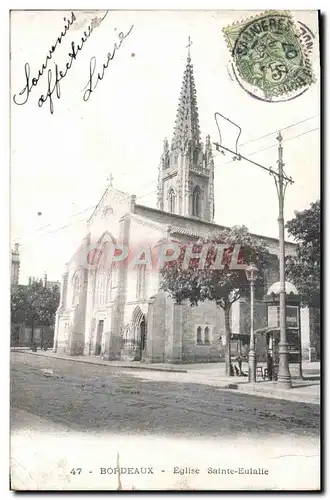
[
  {"x": 186, "y": 171},
  {"x": 186, "y": 129}
]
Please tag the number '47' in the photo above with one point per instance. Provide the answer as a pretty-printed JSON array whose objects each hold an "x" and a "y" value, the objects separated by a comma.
[{"x": 76, "y": 471}]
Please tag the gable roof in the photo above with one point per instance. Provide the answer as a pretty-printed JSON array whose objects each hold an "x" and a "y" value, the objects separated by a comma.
[{"x": 195, "y": 228}]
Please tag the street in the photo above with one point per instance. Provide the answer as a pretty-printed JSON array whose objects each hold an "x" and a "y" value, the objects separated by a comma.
[
  {"x": 100, "y": 399},
  {"x": 75, "y": 425}
]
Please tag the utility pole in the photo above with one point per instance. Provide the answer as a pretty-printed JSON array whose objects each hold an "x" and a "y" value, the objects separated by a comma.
[
  {"x": 284, "y": 378},
  {"x": 281, "y": 182}
]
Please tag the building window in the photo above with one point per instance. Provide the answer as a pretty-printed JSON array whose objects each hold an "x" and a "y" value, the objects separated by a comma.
[
  {"x": 203, "y": 335},
  {"x": 109, "y": 287},
  {"x": 199, "y": 336},
  {"x": 206, "y": 335},
  {"x": 196, "y": 202},
  {"x": 195, "y": 157},
  {"x": 166, "y": 160},
  {"x": 171, "y": 200},
  {"x": 100, "y": 289},
  {"x": 140, "y": 282}
]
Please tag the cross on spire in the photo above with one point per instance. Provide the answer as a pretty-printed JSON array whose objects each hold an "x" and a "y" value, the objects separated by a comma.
[
  {"x": 186, "y": 126},
  {"x": 188, "y": 46},
  {"x": 110, "y": 179}
]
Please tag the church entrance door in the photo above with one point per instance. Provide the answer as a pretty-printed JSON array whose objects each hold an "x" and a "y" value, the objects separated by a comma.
[
  {"x": 99, "y": 335},
  {"x": 139, "y": 326}
]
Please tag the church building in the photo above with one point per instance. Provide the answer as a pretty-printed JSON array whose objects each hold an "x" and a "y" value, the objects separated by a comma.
[{"x": 118, "y": 312}]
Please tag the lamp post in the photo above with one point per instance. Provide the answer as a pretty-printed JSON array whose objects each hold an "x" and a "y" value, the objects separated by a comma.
[
  {"x": 251, "y": 275},
  {"x": 284, "y": 377},
  {"x": 281, "y": 182}
]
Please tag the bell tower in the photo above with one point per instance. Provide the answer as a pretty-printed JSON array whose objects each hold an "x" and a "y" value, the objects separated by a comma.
[{"x": 186, "y": 171}]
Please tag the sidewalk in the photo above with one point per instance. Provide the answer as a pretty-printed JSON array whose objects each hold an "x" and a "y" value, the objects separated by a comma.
[
  {"x": 96, "y": 360},
  {"x": 213, "y": 374}
]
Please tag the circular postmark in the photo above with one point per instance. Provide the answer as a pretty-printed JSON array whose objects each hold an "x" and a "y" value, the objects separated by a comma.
[{"x": 269, "y": 59}]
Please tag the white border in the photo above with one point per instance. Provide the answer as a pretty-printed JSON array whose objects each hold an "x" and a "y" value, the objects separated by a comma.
[{"x": 4, "y": 182}]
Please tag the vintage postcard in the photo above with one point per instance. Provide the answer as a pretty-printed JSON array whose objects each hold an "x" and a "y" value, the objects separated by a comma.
[{"x": 165, "y": 262}]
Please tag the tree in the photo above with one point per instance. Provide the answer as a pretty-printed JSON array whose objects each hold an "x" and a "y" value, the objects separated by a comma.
[
  {"x": 222, "y": 286},
  {"x": 34, "y": 304},
  {"x": 18, "y": 304},
  {"x": 304, "y": 268}
]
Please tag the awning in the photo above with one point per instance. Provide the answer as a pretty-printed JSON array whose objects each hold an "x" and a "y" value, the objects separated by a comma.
[{"x": 267, "y": 329}]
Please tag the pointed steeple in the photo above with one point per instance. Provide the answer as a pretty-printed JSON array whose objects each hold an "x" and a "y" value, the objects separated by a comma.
[
  {"x": 186, "y": 129},
  {"x": 186, "y": 170}
]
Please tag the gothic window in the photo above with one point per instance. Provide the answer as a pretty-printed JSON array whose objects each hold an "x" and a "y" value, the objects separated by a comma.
[
  {"x": 196, "y": 202},
  {"x": 101, "y": 289},
  {"x": 166, "y": 160},
  {"x": 203, "y": 336},
  {"x": 140, "y": 281},
  {"x": 199, "y": 336},
  {"x": 195, "y": 157},
  {"x": 206, "y": 335},
  {"x": 109, "y": 286},
  {"x": 171, "y": 200}
]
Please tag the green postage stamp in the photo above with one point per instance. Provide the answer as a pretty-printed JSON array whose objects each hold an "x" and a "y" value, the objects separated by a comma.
[{"x": 269, "y": 58}]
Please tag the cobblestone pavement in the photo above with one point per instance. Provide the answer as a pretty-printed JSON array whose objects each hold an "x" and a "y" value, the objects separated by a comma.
[{"x": 100, "y": 399}]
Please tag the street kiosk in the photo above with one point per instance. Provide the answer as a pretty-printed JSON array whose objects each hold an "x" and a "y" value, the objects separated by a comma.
[{"x": 268, "y": 338}]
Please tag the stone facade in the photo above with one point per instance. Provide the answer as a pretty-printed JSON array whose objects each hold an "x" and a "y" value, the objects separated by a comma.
[
  {"x": 118, "y": 312},
  {"x": 186, "y": 171}
]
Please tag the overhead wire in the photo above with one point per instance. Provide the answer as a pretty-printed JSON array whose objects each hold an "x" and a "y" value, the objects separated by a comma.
[
  {"x": 251, "y": 154},
  {"x": 154, "y": 191}
]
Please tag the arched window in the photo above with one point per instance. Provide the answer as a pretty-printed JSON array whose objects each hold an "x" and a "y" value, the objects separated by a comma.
[
  {"x": 199, "y": 335},
  {"x": 109, "y": 286},
  {"x": 140, "y": 281},
  {"x": 171, "y": 200},
  {"x": 101, "y": 287},
  {"x": 103, "y": 284},
  {"x": 195, "y": 157},
  {"x": 206, "y": 335},
  {"x": 166, "y": 160},
  {"x": 196, "y": 202}
]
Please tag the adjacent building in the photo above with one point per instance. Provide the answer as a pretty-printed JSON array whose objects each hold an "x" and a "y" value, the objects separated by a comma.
[{"x": 15, "y": 265}]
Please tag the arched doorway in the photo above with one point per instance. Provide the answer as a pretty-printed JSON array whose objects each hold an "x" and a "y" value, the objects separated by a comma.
[{"x": 140, "y": 332}]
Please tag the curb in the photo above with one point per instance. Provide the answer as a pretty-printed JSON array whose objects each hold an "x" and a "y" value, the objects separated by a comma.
[
  {"x": 293, "y": 398},
  {"x": 230, "y": 387},
  {"x": 107, "y": 363}
]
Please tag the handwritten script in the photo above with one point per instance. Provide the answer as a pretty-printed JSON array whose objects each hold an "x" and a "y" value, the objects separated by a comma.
[
  {"x": 29, "y": 84},
  {"x": 90, "y": 87},
  {"x": 54, "y": 78}
]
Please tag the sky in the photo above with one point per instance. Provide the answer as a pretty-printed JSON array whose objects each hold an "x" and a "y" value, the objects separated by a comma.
[{"x": 60, "y": 162}]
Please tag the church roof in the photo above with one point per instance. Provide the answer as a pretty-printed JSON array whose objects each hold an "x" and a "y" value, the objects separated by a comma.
[
  {"x": 195, "y": 228},
  {"x": 186, "y": 126}
]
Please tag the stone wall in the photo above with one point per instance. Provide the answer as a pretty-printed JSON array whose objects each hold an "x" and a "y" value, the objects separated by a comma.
[
  {"x": 155, "y": 350},
  {"x": 206, "y": 315}
]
